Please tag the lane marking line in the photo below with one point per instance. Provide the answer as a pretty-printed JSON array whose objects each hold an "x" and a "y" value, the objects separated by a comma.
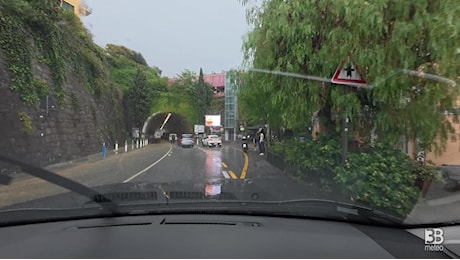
[
  {"x": 150, "y": 166},
  {"x": 224, "y": 165},
  {"x": 245, "y": 167},
  {"x": 232, "y": 174},
  {"x": 246, "y": 163},
  {"x": 226, "y": 175}
]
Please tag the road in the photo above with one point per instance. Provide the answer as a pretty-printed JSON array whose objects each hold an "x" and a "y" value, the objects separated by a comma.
[
  {"x": 166, "y": 163},
  {"x": 200, "y": 167}
]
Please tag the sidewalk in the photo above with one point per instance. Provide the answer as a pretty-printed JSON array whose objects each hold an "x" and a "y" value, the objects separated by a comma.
[
  {"x": 89, "y": 158},
  {"x": 56, "y": 167}
]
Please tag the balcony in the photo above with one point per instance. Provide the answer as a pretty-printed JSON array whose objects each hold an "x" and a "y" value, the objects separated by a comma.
[{"x": 84, "y": 9}]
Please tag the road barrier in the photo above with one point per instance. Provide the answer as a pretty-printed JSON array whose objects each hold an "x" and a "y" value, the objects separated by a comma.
[{"x": 139, "y": 143}]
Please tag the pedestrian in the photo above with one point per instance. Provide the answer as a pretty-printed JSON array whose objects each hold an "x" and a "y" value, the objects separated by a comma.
[{"x": 261, "y": 141}]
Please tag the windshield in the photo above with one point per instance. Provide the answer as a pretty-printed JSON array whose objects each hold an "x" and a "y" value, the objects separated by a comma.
[{"x": 342, "y": 110}]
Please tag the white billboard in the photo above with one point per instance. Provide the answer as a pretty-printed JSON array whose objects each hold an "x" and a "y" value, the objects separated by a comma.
[
  {"x": 199, "y": 129},
  {"x": 212, "y": 120}
]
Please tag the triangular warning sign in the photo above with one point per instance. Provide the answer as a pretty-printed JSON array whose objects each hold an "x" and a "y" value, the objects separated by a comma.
[{"x": 348, "y": 74}]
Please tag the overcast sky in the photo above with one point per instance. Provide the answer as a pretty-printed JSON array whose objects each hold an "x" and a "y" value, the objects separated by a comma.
[{"x": 173, "y": 35}]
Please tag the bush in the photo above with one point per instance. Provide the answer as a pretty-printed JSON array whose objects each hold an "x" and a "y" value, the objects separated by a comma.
[
  {"x": 383, "y": 178},
  {"x": 314, "y": 160}
]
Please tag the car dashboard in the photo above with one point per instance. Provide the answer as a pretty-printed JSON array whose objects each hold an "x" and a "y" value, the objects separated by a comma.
[{"x": 210, "y": 236}]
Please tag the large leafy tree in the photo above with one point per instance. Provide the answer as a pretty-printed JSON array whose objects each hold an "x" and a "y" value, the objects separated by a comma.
[
  {"x": 138, "y": 100},
  {"x": 384, "y": 37}
]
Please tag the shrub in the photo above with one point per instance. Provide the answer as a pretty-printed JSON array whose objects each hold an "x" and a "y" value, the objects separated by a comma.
[
  {"x": 314, "y": 160},
  {"x": 383, "y": 178}
]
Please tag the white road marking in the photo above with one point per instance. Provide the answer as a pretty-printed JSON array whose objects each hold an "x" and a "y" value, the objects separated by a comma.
[
  {"x": 150, "y": 166},
  {"x": 226, "y": 175}
]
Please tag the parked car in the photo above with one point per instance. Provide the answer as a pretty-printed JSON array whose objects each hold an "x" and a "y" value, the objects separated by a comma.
[
  {"x": 187, "y": 140},
  {"x": 212, "y": 140},
  {"x": 451, "y": 174}
]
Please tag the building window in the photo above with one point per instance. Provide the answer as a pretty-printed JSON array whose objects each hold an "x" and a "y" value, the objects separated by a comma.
[{"x": 68, "y": 6}]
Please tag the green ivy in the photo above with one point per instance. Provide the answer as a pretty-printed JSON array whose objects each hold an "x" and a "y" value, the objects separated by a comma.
[
  {"x": 54, "y": 37},
  {"x": 93, "y": 113},
  {"x": 16, "y": 48},
  {"x": 27, "y": 123},
  {"x": 75, "y": 102}
]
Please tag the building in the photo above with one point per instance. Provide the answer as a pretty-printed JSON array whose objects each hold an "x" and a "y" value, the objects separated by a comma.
[
  {"x": 79, "y": 7},
  {"x": 217, "y": 81},
  {"x": 231, "y": 125},
  {"x": 221, "y": 89}
]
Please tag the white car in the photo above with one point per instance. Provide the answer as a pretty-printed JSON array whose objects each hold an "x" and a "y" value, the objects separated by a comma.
[{"x": 212, "y": 140}]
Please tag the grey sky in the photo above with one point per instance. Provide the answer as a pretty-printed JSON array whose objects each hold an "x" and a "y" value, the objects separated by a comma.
[{"x": 173, "y": 35}]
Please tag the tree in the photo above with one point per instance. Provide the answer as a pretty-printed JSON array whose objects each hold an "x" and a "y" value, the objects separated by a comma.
[
  {"x": 119, "y": 50},
  {"x": 139, "y": 100},
  {"x": 181, "y": 95},
  {"x": 203, "y": 97},
  {"x": 311, "y": 37},
  {"x": 124, "y": 64},
  {"x": 194, "y": 91}
]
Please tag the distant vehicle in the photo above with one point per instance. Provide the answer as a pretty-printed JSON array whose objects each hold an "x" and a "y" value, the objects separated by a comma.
[
  {"x": 212, "y": 140},
  {"x": 244, "y": 144},
  {"x": 172, "y": 138},
  {"x": 187, "y": 140}
]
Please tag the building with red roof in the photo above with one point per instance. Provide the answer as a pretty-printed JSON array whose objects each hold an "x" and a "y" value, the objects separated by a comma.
[{"x": 217, "y": 81}]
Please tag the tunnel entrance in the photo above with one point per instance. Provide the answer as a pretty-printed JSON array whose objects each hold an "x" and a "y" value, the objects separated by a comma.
[{"x": 176, "y": 124}]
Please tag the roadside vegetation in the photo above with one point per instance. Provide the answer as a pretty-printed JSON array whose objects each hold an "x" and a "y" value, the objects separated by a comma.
[
  {"x": 387, "y": 37},
  {"x": 190, "y": 95},
  {"x": 37, "y": 35}
]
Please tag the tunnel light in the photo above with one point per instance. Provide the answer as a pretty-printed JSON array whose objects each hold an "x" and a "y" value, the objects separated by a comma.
[{"x": 166, "y": 120}]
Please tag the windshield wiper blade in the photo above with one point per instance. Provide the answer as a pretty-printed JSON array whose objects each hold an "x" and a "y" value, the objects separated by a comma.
[
  {"x": 361, "y": 211},
  {"x": 346, "y": 210},
  {"x": 350, "y": 209},
  {"x": 63, "y": 182}
]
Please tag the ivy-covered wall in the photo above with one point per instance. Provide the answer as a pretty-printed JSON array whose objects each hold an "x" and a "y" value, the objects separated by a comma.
[{"x": 57, "y": 102}]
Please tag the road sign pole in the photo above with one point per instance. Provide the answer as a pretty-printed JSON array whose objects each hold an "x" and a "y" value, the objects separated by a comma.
[
  {"x": 345, "y": 122},
  {"x": 344, "y": 139}
]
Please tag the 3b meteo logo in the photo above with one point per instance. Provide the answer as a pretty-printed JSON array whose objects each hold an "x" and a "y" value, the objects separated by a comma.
[{"x": 434, "y": 237}]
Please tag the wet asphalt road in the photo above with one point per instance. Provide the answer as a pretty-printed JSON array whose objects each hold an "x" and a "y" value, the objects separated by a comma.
[
  {"x": 207, "y": 170},
  {"x": 168, "y": 163}
]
